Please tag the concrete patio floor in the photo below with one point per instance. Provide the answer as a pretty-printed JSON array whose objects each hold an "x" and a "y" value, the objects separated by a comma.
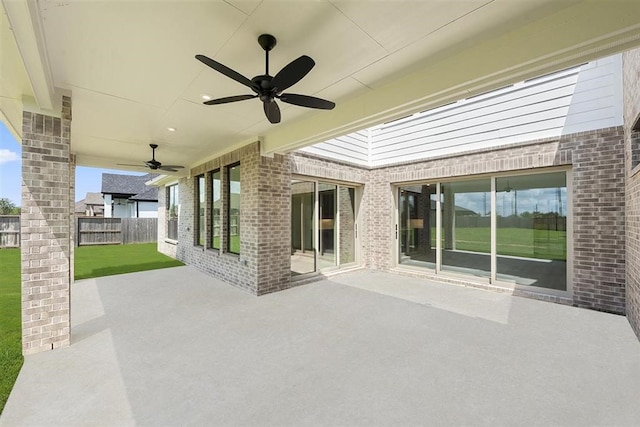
[{"x": 177, "y": 347}]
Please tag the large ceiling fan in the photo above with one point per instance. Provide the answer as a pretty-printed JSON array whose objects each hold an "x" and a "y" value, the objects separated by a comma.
[
  {"x": 269, "y": 88},
  {"x": 153, "y": 164}
]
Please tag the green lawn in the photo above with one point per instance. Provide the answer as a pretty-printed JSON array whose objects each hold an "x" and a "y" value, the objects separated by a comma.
[
  {"x": 10, "y": 328},
  {"x": 90, "y": 261},
  {"x": 523, "y": 242},
  {"x": 98, "y": 261}
]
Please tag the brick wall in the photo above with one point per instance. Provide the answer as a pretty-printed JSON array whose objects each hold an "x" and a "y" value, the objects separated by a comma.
[
  {"x": 46, "y": 228},
  {"x": 225, "y": 266},
  {"x": 271, "y": 222},
  {"x": 598, "y": 219},
  {"x": 631, "y": 80},
  {"x": 264, "y": 263},
  {"x": 597, "y": 160}
]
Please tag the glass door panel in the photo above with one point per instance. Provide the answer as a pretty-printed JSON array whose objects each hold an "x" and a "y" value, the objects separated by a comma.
[
  {"x": 327, "y": 198},
  {"x": 531, "y": 234},
  {"x": 347, "y": 232},
  {"x": 303, "y": 258},
  {"x": 417, "y": 234},
  {"x": 323, "y": 226},
  {"x": 466, "y": 227}
]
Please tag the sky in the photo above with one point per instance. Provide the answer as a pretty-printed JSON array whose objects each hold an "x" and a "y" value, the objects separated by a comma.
[{"x": 88, "y": 180}]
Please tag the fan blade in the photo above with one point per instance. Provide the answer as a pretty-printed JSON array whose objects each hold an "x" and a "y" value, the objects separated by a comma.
[
  {"x": 307, "y": 101},
  {"x": 172, "y": 166},
  {"x": 272, "y": 111},
  {"x": 168, "y": 169},
  {"x": 229, "y": 99},
  {"x": 292, "y": 73},
  {"x": 225, "y": 70}
]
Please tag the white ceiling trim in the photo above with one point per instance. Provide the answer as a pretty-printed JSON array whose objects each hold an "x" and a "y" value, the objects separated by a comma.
[{"x": 24, "y": 19}]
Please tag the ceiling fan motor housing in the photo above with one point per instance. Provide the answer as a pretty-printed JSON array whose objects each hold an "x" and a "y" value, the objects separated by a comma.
[{"x": 262, "y": 86}]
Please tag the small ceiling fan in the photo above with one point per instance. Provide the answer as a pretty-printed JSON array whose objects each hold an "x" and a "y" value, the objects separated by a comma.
[
  {"x": 269, "y": 88},
  {"x": 153, "y": 164}
]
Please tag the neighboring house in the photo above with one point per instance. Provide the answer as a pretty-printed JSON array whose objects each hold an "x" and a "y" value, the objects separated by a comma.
[
  {"x": 496, "y": 191},
  {"x": 128, "y": 196},
  {"x": 91, "y": 205}
]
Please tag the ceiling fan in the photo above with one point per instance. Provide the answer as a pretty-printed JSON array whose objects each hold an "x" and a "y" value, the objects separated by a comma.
[
  {"x": 153, "y": 164},
  {"x": 269, "y": 88}
]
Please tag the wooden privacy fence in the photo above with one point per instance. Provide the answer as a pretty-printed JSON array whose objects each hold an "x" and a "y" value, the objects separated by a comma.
[
  {"x": 9, "y": 231},
  {"x": 115, "y": 231}
]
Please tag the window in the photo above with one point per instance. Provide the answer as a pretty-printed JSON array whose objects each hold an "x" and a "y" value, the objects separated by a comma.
[
  {"x": 200, "y": 202},
  {"x": 510, "y": 229},
  {"x": 233, "y": 209},
  {"x": 172, "y": 212},
  {"x": 323, "y": 226},
  {"x": 216, "y": 205}
]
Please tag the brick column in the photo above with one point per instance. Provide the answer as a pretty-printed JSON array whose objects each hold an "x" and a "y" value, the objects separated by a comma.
[
  {"x": 46, "y": 228},
  {"x": 631, "y": 79},
  {"x": 271, "y": 222}
]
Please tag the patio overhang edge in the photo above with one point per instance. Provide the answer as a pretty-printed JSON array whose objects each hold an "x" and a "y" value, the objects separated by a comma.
[
  {"x": 24, "y": 19},
  {"x": 162, "y": 180}
]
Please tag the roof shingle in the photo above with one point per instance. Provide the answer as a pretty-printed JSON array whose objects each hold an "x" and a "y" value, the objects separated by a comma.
[{"x": 129, "y": 185}]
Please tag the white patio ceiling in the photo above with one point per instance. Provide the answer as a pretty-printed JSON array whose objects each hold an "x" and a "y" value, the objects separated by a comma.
[{"x": 130, "y": 67}]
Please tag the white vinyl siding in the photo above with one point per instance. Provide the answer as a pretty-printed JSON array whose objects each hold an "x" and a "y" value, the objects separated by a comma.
[
  {"x": 147, "y": 209},
  {"x": 579, "y": 99},
  {"x": 352, "y": 148}
]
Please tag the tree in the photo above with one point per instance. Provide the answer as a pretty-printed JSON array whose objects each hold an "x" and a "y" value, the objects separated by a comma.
[{"x": 7, "y": 207}]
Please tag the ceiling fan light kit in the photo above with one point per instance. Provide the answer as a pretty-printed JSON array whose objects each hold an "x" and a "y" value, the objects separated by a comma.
[{"x": 268, "y": 88}]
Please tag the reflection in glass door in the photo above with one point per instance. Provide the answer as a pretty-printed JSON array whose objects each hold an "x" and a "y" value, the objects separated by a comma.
[
  {"x": 417, "y": 234},
  {"x": 531, "y": 230},
  {"x": 466, "y": 227},
  {"x": 327, "y": 195},
  {"x": 323, "y": 226},
  {"x": 347, "y": 228},
  {"x": 303, "y": 258},
  {"x": 505, "y": 229}
]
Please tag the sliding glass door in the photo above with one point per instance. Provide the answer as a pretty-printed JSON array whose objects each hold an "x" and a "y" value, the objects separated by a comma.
[
  {"x": 531, "y": 234},
  {"x": 466, "y": 227},
  {"x": 323, "y": 226},
  {"x": 327, "y": 197},
  {"x": 503, "y": 229},
  {"x": 303, "y": 244},
  {"x": 417, "y": 235}
]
